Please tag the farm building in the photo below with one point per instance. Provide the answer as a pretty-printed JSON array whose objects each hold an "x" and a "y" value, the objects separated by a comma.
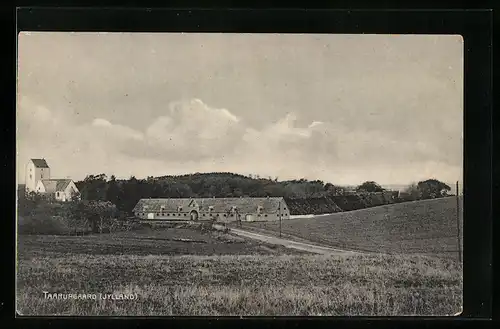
[
  {"x": 219, "y": 209},
  {"x": 61, "y": 189},
  {"x": 38, "y": 180}
]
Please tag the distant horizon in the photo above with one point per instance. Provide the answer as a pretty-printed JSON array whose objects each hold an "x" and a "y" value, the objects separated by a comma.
[{"x": 393, "y": 185}]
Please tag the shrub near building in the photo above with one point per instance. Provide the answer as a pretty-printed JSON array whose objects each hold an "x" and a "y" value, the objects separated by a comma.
[{"x": 40, "y": 215}]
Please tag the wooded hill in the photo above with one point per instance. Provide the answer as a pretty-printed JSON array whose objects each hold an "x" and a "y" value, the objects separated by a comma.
[{"x": 302, "y": 196}]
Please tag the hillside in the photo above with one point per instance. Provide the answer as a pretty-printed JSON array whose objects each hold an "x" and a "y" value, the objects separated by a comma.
[
  {"x": 303, "y": 196},
  {"x": 426, "y": 227}
]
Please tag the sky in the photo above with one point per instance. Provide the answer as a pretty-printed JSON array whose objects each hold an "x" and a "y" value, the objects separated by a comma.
[{"x": 339, "y": 108}]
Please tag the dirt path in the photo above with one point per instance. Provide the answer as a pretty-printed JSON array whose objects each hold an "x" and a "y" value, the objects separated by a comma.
[{"x": 292, "y": 244}]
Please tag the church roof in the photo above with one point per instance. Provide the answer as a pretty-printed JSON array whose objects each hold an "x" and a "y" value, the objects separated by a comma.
[
  {"x": 55, "y": 185},
  {"x": 40, "y": 163},
  {"x": 220, "y": 205}
]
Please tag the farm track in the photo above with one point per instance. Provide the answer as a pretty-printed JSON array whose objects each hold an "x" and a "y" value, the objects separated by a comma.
[
  {"x": 292, "y": 244},
  {"x": 287, "y": 235},
  {"x": 426, "y": 227}
]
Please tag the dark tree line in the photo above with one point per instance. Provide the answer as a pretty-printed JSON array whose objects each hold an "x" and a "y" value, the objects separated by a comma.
[
  {"x": 126, "y": 193},
  {"x": 428, "y": 189}
]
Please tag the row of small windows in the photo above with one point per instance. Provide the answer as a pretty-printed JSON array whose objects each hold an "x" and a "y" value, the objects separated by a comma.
[
  {"x": 185, "y": 214},
  {"x": 210, "y": 208}
]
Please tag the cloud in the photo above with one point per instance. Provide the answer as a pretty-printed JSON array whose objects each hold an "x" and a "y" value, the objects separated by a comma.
[
  {"x": 209, "y": 122},
  {"x": 101, "y": 122},
  {"x": 106, "y": 129},
  {"x": 315, "y": 124},
  {"x": 190, "y": 130},
  {"x": 336, "y": 107},
  {"x": 29, "y": 111},
  {"x": 191, "y": 136}
]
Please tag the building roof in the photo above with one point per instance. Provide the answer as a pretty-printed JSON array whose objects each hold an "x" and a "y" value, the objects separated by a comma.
[
  {"x": 155, "y": 205},
  {"x": 40, "y": 163},
  {"x": 220, "y": 205},
  {"x": 55, "y": 185}
]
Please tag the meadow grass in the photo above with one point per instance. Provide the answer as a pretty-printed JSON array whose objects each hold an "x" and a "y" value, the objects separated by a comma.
[
  {"x": 224, "y": 285},
  {"x": 422, "y": 227}
]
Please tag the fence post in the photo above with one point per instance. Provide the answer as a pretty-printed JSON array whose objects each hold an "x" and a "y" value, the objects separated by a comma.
[{"x": 458, "y": 227}]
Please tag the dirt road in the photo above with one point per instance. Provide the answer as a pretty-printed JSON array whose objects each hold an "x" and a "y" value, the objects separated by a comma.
[{"x": 292, "y": 244}]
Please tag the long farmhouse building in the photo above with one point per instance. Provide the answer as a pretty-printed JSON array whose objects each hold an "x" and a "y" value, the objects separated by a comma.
[{"x": 217, "y": 209}]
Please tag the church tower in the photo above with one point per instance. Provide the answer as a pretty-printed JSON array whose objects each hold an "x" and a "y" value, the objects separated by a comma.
[{"x": 36, "y": 170}]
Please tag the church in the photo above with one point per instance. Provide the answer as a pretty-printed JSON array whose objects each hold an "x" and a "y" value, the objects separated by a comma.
[{"x": 38, "y": 180}]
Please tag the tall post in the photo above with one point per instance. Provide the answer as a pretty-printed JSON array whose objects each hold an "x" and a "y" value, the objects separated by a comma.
[
  {"x": 279, "y": 214},
  {"x": 458, "y": 227}
]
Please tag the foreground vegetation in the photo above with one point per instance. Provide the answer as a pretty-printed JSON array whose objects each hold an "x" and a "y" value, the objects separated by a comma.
[
  {"x": 195, "y": 271},
  {"x": 184, "y": 270},
  {"x": 181, "y": 239},
  {"x": 424, "y": 227},
  {"x": 241, "y": 285}
]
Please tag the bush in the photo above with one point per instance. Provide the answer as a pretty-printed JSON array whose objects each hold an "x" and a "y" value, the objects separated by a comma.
[
  {"x": 322, "y": 205},
  {"x": 377, "y": 199},
  {"x": 350, "y": 202},
  {"x": 117, "y": 225},
  {"x": 39, "y": 215},
  {"x": 56, "y": 225},
  {"x": 41, "y": 224}
]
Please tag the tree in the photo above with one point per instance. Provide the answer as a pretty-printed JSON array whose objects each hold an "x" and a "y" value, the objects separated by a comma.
[
  {"x": 113, "y": 191},
  {"x": 126, "y": 193},
  {"x": 432, "y": 188},
  {"x": 95, "y": 213},
  {"x": 94, "y": 187},
  {"x": 27, "y": 205},
  {"x": 75, "y": 196},
  {"x": 237, "y": 192},
  {"x": 369, "y": 186},
  {"x": 412, "y": 193},
  {"x": 76, "y": 216},
  {"x": 331, "y": 189},
  {"x": 99, "y": 213}
]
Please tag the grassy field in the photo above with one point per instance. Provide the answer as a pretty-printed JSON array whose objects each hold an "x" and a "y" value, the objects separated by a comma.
[
  {"x": 223, "y": 275},
  {"x": 422, "y": 227},
  {"x": 242, "y": 285},
  {"x": 169, "y": 241}
]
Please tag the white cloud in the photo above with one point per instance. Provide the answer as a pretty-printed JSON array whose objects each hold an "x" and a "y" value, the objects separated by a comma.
[
  {"x": 192, "y": 127},
  {"x": 315, "y": 124},
  {"x": 30, "y": 112},
  {"x": 106, "y": 129},
  {"x": 192, "y": 136},
  {"x": 101, "y": 122}
]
